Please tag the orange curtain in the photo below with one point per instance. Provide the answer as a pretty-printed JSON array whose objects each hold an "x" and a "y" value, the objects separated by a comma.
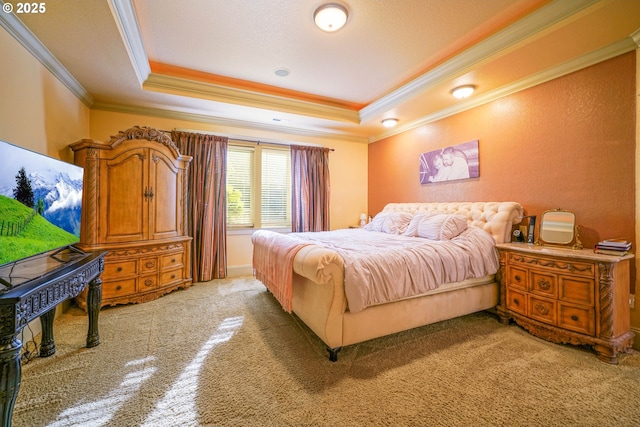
[
  {"x": 310, "y": 188},
  {"x": 206, "y": 202}
]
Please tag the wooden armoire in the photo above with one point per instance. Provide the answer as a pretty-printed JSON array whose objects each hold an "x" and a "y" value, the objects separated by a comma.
[{"x": 134, "y": 207}]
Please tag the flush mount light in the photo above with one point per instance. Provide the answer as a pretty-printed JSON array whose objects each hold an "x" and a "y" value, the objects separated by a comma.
[
  {"x": 465, "y": 91},
  {"x": 330, "y": 17},
  {"x": 389, "y": 123}
]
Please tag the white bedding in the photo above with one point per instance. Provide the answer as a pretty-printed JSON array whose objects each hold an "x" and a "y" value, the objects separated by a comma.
[{"x": 382, "y": 267}]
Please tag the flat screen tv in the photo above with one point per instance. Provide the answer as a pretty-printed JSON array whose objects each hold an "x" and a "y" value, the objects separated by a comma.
[{"x": 40, "y": 203}]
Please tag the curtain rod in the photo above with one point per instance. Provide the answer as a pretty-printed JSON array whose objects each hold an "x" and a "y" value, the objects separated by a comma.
[{"x": 258, "y": 142}]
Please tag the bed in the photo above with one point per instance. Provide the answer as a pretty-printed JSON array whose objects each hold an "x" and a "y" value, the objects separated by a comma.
[{"x": 350, "y": 286}]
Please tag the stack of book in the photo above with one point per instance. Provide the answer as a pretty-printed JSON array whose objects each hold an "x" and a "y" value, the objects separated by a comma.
[{"x": 617, "y": 247}]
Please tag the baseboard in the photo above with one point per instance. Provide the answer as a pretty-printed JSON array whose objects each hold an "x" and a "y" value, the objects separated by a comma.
[{"x": 239, "y": 270}]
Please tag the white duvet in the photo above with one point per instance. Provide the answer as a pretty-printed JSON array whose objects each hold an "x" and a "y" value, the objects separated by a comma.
[{"x": 381, "y": 267}]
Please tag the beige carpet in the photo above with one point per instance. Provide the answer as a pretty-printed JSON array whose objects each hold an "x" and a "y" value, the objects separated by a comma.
[{"x": 223, "y": 353}]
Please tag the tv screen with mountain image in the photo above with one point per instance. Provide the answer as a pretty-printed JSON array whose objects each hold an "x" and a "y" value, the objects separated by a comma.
[{"x": 40, "y": 203}]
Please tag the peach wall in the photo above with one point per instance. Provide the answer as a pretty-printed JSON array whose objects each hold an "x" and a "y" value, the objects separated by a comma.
[
  {"x": 347, "y": 168},
  {"x": 37, "y": 111},
  {"x": 568, "y": 143}
]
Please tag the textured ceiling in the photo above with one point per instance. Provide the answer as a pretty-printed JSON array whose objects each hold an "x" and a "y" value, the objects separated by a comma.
[{"x": 215, "y": 60}]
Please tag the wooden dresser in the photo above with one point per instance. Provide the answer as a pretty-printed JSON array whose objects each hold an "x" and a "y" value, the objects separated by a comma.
[
  {"x": 134, "y": 207},
  {"x": 567, "y": 296}
]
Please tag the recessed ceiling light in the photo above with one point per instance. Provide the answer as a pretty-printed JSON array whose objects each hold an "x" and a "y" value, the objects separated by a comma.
[
  {"x": 282, "y": 72},
  {"x": 389, "y": 123},
  {"x": 330, "y": 17},
  {"x": 465, "y": 91}
]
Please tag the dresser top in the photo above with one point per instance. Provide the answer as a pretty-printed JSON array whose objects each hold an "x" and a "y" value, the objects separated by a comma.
[{"x": 585, "y": 254}]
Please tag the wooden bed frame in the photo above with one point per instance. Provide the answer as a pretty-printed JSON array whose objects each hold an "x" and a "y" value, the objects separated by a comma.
[{"x": 318, "y": 284}]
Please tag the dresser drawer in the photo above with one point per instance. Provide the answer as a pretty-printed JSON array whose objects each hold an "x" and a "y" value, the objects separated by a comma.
[
  {"x": 148, "y": 265},
  {"x": 116, "y": 270},
  {"x": 543, "y": 283},
  {"x": 119, "y": 288},
  {"x": 171, "y": 276},
  {"x": 577, "y": 290},
  {"x": 542, "y": 309},
  {"x": 172, "y": 260},
  {"x": 517, "y": 278},
  {"x": 517, "y": 301},
  {"x": 577, "y": 318},
  {"x": 146, "y": 283}
]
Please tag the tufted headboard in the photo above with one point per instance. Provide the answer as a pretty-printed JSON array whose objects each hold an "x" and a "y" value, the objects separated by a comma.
[{"x": 497, "y": 218}]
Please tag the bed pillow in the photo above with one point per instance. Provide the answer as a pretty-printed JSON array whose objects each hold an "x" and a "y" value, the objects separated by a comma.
[
  {"x": 441, "y": 226},
  {"x": 376, "y": 223},
  {"x": 390, "y": 222},
  {"x": 412, "y": 228}
]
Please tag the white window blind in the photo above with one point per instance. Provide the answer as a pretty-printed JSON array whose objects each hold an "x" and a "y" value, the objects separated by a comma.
[
  {"x": 240, "y": 183},
  {"x": 258, "y": 186},
  {"x": 276, "y": 188}
]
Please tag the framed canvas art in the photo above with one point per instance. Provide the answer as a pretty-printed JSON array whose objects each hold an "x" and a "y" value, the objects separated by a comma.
[{"x": 452, "y": 163}]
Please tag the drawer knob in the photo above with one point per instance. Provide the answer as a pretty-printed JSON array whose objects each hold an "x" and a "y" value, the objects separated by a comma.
[
  {"x": 118, "y": 288},
  {"x": 518, "y": 278},
  {"x": 544, "y": 284},
  {"x": 148, "y": 282},
  {"x": 173, "y": 276},
  {"x": 149, "y": 264},
  {"x": 516, "y": 302},
  {"x": 542, "y": 309},
  {"x": 119, "y": 269},
  {"x": 575, "y": 318},
  {"x": 173, "y": 260}
]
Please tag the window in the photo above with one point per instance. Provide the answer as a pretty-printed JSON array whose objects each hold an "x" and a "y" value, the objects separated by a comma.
[{"x": 258, "y": 186}]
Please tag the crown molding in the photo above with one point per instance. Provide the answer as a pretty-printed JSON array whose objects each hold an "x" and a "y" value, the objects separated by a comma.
[
  {"x": 635, "y": 36},
  {"x": 517, "y": 32},
  {"x": 29, "y": 41},
  {"x": 213, "y": 92},
  {"x": 127, "y": 23},
  {"x": 203, "y": 118},
  {"x": 616, "y": 49},
  {"x": 624, "y": 46}
]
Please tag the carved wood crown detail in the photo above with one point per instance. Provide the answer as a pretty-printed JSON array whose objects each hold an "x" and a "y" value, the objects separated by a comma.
[
  {"x": 144, "y": 132},
  {"x": 136, "y": 251},
  {"x": 554, "y": 264}
]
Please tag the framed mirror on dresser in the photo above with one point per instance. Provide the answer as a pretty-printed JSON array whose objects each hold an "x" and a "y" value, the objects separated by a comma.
[
  {"x": 564, "y": 295},
  {"x": 558, "y": 228}
]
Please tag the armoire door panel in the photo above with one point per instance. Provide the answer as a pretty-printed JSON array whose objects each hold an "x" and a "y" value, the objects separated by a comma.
[
  {"x": 164, "y": 179},
  {"x": 122, "y": 181}
]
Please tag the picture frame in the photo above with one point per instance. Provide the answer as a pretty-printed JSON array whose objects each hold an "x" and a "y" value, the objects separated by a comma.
[{"x": 456, "y": 162}]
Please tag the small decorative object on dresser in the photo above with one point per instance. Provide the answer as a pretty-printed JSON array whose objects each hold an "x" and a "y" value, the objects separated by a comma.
[
  {"x": 617, "y": 247},
  {"x": 134, "y": 205},
  {"x": 567, "y": 296}
]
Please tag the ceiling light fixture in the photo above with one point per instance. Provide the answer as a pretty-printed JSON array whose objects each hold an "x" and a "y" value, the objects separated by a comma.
[
  {"x": 282, "y": 72},
  {"x": 462, "y": 92},
  {"x": 389, "y": 123},
  {"x": 330, "y": 17}
]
